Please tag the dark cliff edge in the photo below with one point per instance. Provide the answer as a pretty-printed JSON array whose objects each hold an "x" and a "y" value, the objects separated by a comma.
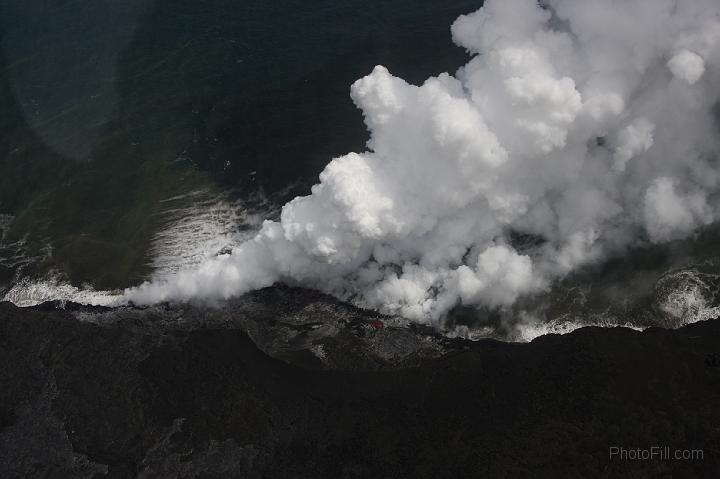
[{"x": 238, "y": 392}]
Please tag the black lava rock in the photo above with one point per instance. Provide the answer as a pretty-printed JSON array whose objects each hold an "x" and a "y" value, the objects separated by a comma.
[{"x": 93, "y": 394}]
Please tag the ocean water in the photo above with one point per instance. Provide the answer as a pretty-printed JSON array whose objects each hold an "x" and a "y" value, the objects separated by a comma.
[
  {"x": 139, "y": 137},
  {"x": 111, "y": 110}
]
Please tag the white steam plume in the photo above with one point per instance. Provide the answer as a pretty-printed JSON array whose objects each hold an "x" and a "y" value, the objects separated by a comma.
[{"x": 586, "y": 123}]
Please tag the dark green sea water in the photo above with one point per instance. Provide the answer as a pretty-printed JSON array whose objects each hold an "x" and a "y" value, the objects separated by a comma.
[{"x": 109, "y": 107}]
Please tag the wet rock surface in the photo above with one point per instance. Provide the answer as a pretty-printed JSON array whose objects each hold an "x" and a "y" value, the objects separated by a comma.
[{"x": 292, "y": 384}]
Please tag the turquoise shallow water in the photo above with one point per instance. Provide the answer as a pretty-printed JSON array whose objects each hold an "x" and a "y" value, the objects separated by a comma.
[{"x": 108, "y": 108}]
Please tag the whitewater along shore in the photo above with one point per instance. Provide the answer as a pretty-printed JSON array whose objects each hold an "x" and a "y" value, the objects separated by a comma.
[{"x": 292, "y": 384}]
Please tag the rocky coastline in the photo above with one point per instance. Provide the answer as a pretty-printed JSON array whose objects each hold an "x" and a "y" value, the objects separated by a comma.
[{"x": 293, "y": 384}]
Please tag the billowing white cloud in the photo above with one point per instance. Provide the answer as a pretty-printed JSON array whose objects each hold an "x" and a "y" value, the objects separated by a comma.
[
  {"x": 567, "y": 126},
  {"x": 634, "y": 139},
  {"x": 687, "y": 66},
  {"x": 670, "y": 215}
]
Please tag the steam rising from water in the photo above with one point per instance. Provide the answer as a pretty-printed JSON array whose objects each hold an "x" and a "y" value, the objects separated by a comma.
[
  {"x": 584, "y": 125},
  {"x": 31, "y": 293},
  {"x": 193, "y": 234}
]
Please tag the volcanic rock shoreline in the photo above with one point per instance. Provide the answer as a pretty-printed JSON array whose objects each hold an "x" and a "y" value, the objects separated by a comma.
[{"x": 291, "y": 384}]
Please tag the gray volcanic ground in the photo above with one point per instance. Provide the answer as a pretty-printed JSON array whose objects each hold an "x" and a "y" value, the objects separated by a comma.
[{"x": 292, "y": 384}]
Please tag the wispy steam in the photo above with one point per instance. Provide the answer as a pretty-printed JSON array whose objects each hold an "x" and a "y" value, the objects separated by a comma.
[{"x": 585, "y": 126}]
